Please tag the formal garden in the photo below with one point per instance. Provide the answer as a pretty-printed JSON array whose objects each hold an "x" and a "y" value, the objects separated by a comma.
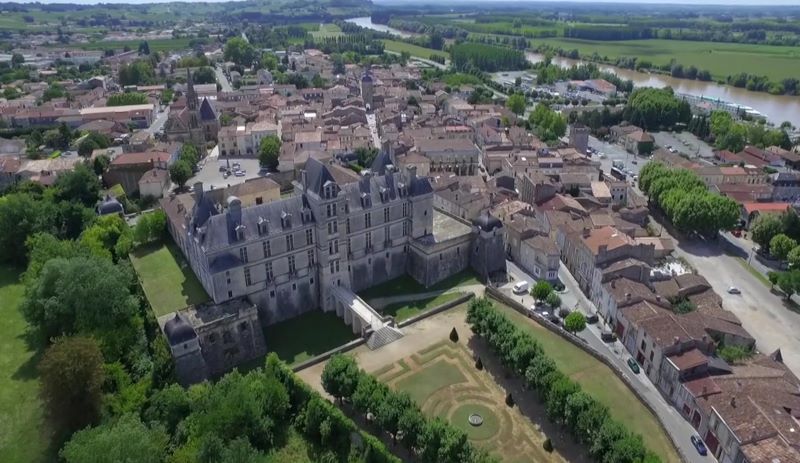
[{"x": 445, "y": 382}]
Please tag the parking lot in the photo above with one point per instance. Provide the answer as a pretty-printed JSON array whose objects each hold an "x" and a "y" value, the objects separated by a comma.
[
  {"x": 685, "y": 143},
  {"x": 613, "y": 152},
  {"x": 213, "y": 177}
]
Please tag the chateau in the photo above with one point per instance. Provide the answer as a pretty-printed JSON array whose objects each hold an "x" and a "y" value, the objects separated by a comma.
[{"x": 337, "y": 231}]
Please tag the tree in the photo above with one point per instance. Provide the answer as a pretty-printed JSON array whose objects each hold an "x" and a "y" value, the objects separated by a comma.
[
  {"x": 575, "y": 322},
  {"x": 516, "y": 103},
  {"x": 144, "y": 48},
  {"x": 239, "y": 51},
  {"x": 794, "y": 257},
  {"x": 169, "y": 406},
  {"x": 71, "y": 373},
  {"x": 80, "y": 185},
  {"x": 541, "y": 290},
  {"x": 454, "y": 335},
  {"x": 100, "y": 164},
  {"x": 179, "y": 173},
  {"x": 204, "y": 75},
  {"x": 553, "y": 300},
  {"x": 85, "y": 295},
  {"x": 789, "y": 282},
  {"x": 340, "y": 376},
  {"x": 269, "y": 152},
  {"x": 108, "y": 237},
  {"x": 126, "y": 439},
  {"x": 17, "y": 60},
  {"x": 139, "y": 72},
  {"x": 780, "y": 246},
  {"x": 150, "y": 227},
  {"x": 766, "y": 227},
  {"x": 550, "y": 125},
  {"x": 127, "y": 98}
]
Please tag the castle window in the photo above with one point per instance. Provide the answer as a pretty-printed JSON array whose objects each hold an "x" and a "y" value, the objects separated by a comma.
[
  {"x": 243, "y": 326},
  {"x": 292, "y": 267},
  {"x": 267, "y": 249},
  {"x": 286, "y": 220},
  {"x": 333, "y": 247},
  {"x": 386, "y": 235},
  {"x": 309, "y": 236},
  {"x": 368, "y": 220},
  {"x": 262, "y": 226},
  {"x": 239, "y": 232},
  {"x": 243, "y": 254},
  {"x": 272, "y": 293},
  {"x": 310, "y": 257},
  {"x": 347, "y": 224},
  {"x": 405, "y": 228},
  {"x": 333, "y": 227},
  {"x": 386, "y": 214},
  {"x": 441, "y": 257},
  {"x": 289, "y": 242},
  {"x": 294, "y": 286},
  {"x": 212, "y": 338},
  {"x": 369, "y": 240},
  {"x": 230, "y": 294},
  {"x": 247, "y": 279},
  {"x": 330, "y": 209},
  {"x": 311, "y": 281},
  {"x": 268, "y": 268}
]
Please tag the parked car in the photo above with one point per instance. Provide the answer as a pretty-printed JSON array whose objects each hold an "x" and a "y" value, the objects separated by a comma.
[
  {"x": 521, "y": 287},
  {"x": 633, "y": 365},
  {"x": 699, "y": 445},
  {"x": 239, "y": 173},
  {"x": 608, "y": 336},
  {"x": 554, "y": 319},
  {"x": 734, "y": 290},
  {"x": 592, "y": 319}
]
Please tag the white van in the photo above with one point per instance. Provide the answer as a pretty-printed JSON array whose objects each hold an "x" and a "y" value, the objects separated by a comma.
[{"x": 521, "y": 287}]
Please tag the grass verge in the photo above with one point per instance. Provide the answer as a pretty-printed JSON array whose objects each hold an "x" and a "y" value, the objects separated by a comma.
[
  {"x": 307, "y": 336},
  {"x": 22, "y": 429},
  {"x": 598, "y": 380},
  {"x": 407, "y": 285},
  {"x": 405, "y": 310},
  {"x": 167, "y": 279},
  {"x": 758, "y": 275}
]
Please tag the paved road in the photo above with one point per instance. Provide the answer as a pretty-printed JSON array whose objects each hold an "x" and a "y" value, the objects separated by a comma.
[
  {"x": 679, "y": 429},
  {"x": 223, "y": 81},
  {"x": 159, "y": 121},
  {"x": 763, "y": 314},
  {"x": 373, "y": 130},
  {"x": 423, "y": 60}
]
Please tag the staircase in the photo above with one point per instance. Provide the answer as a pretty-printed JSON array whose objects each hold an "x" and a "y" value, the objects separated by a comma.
[{"x": 384, "y": 335}]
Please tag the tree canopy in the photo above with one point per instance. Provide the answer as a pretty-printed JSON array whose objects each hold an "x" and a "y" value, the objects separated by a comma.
[
  {"x": 516, "y": 103},
  {"x": 269, "y": 151},
  {"x": 117, "y": 441},
  {"x": 653, "y": 108},
  {"x": 239, "y": 51},
  {"x": 549, "y": 125}
]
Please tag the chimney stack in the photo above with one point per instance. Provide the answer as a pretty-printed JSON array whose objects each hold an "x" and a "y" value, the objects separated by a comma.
[
  {"x": 198, "y": 191},
  {"x": 412, "y": 173},
  {"x": 586, "y": 232},
  {"x": 304, "y": 179},
  {"x": 733, "y": 401}
]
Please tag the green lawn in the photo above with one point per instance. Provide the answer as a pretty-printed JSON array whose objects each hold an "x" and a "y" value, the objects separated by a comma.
[
  {"x": 490, "y": 426},
  {"x": 721, "y": 59},
  {"x": 430, "y": 379},
  {"x": 22, "y": 431},
  {"x": 405, "y": 310},
  {"x": 307, "y": 336},
  {"x": 155, "y": 45},
  {"x": 413, "y": 50},
  {"x": 167, "y": 279},
  {"x": 407, "y": 285},
  {"x": 599, "y": 381}
]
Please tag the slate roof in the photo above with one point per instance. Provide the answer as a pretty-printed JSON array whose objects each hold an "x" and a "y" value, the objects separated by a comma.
[{"x": 207, "y": 112}]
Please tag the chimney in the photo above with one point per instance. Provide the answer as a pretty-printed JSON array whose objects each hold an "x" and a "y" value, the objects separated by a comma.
[
  {"x": 733, "y": 401},
  {"x": 658, "y": 297},
  {"x": 412, "y": 173},
  {"x": 304, "y": 179},
  {"x": 676, "y": 340},
  {"x": 628, "y": 297},
  {"x": 586, "y": 232},
  {"x": 198, "y": 191}
]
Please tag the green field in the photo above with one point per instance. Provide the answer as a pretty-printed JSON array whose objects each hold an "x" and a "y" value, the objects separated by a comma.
[
  {"x": 405, "y": 310},
  {"x": 306, "y": 336},
  {"x": 167, "y": 279},
  {"x": 23, "y": 434},
  {"x": 326, "y": 31},
  {"x": 413, "y": 50},
  {"x": 721, "y": 59},
  {"x": 599, "y": 381}
]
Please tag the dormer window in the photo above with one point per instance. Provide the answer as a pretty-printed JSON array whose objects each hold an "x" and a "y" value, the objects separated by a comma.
[
  {"x": 329, "y": 190},
  {"x": 401, "y": 189},
  {"x": 263, "y": 226},
  {"x": 306, "y": 215},
  {"x": 286, "y": 220},
  {"x": 365, "y": 200},
  {"x": 240, "y": 232},
  {"x": 384, "y": 194}
]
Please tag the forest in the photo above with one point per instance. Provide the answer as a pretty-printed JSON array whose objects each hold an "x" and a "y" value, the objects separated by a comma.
[{"x": 487, "y": 58}]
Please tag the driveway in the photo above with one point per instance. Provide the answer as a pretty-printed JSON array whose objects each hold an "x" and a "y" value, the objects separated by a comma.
[
  {"x": 679, "y": 429},
  {"x": 765, "y": 315}
]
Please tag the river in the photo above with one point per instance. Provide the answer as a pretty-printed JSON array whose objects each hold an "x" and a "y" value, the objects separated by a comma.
[
  {"x": 777, "y": 108},
  {"x": 366, "y": 22}
]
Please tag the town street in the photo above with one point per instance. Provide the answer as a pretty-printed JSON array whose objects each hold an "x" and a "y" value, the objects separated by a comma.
[
  {"x": 764, "y": 314},
  {"x": 679, "y": 429},
  {"x": 159, "y": 121},
  {"x": 222, "y": 79}
]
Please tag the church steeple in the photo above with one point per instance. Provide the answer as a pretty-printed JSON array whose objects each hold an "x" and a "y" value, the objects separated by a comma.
[{"x": 191, "y": 95}]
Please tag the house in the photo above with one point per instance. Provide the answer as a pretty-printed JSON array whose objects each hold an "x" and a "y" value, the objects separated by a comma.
[
  {"x": 751, "y": 211},
  {"x": 639, "y": 142},
  {"x": 128, "y": 168},
  {"x": 459, "y": 155},
  {"x": 154, "y": 183},
  {"x": 539, "y": 256},
  {"x": 245, "y": 140}
]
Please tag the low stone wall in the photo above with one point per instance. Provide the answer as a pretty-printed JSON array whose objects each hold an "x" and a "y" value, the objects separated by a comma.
[
  {"x": 326, "y": 355},
  {"x": 438, "y": 309},
  {"x": 509, "y": 301}
]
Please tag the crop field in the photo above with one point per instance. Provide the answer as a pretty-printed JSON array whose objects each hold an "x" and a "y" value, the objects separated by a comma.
[
  {"x": 721, "y": 59},
  {"x": 326, "y": 31},
  {"x": 155, "y": 45}
]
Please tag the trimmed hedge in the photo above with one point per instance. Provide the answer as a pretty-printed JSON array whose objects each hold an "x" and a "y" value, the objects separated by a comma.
[{"x": 565, "y": 403}]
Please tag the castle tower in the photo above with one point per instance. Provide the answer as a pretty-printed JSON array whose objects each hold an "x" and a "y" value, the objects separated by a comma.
[
  {"x": 367, "y": 89},
  {"x": 579, "y": 137},
  {"x": 190, "y": 366},
  {"x": 488, "y": 255}
]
